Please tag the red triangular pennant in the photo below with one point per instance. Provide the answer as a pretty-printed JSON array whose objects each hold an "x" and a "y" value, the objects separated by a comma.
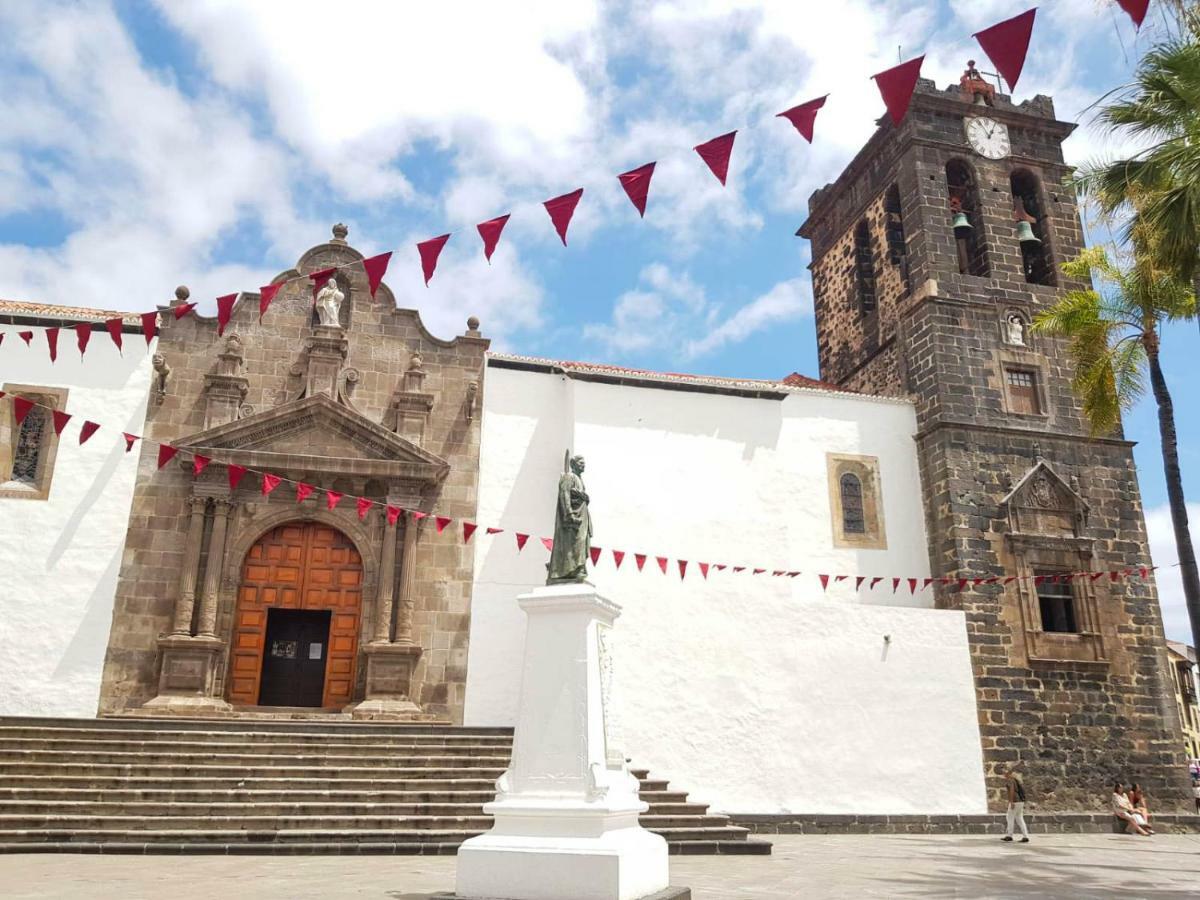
[
  {"x": 704, "y": 570},
  {"x": 165, "y": 454},
  {"x": 418, "y": 515},
  {"x": 235, "y": 474},
  {"x": 468, "y": 530},
  {"x": 83, "y": 334},
  {"x": 1136, "y": 9},
  {"x": 490, "y": 232},
  {"x": 594, "y": 553},
  {"x": 113, "y": 326},
  {"x": 332, "y": 499},
  {"x": 1144, "y": 571},
  {"x": 720, "y": 567},
  {"x": 912, "y": 585},
  {"x": 758, "y": 571},
  {"x": 548, "y": 543},
  {"x": 797, "y": 572},
  {"x": 269, "y": 483},
  {"x": 303, "y": 491},
  {"x": 895, "y": 585},
  {"x": 129, "y": 440},
  {"x": 392, "y": 512},
  {"x": 22, "y": 406},
  {"x": 199, "y": 463},
  {"x": 1006, "y": 43},
  {"x": 640, "y": 559},
  {"x": 363, "y": 506},
  {"x": 376, "y": 267},
  {"x": 637, "y": 186},
  {"x": 896, "y": 86},
  {"x": 266, "y": 295},
  {"x": 430, "y": 250},
  {"x": 962, "y": 583},
  {"x": 442, "y": 522},
  {"x": 1010, "y": 579},
  {"x": 682, "y": 568},
  {"x": 521, "y": 539},
  {"x": 926, "y": 582},
  {"x": 492, "y": 530},
  {"x": 87, "y": 430},
  {"x": 804, "y": 116},
  {"x": 715, "y": 154},
  {"x": 858, "y": 580},
  {"x": 561, "y": 209},
  {"x": 874, "y": 581},
  {"x": 52, "y": 342},
  {"x": 824, "y": 582},
  {"x": 150, "y": 326},
  {"x": 777, "y": 573},
  {"x": 662, "y": 563},
  {"x": 618, "y": 557},
  {"x": 224, "y": 311},
  {"x": 182, "y": 310},
  {"x": 26, "y": 336},
  {"x": 320, "y": 277},
  {"x": 1113, "y": 576},
  {"x": 738, "y": 569}
]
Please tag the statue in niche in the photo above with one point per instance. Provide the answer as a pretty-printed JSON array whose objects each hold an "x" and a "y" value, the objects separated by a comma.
[
  {"x": 329, "y": 303},
  {"x": 572, "y": 528},
  {"x": 1015, "y": 330}
]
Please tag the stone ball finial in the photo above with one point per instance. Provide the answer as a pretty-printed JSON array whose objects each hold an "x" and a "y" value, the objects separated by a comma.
[
  {"x": 340, "y": 231},
  {"x": 473, "y": 323},
  {"x": 182, "y": 293}
]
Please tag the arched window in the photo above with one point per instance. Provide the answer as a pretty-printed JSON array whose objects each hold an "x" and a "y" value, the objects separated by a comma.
[
  {"x": 1029, "y": 208},
  {"x": 854, "y": 520},
  {"x": 864, "y": 268},
  {"x": 897, "y": 247},
  {"x": 31, "y": 439},
  {"x": 963, "y": 197}
]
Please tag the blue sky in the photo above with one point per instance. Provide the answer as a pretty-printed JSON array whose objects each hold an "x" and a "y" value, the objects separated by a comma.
[{"x": 145, "y": 145}]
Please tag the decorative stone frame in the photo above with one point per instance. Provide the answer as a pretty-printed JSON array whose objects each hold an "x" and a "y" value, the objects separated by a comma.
[
  {"x": 866, "y": 469},
  {"x": 54, "y": 397},
  {"x": 1010, "y": 356}
]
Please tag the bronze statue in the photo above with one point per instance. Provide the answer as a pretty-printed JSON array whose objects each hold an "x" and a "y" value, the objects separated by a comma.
[{"x": 572, "y": 528}]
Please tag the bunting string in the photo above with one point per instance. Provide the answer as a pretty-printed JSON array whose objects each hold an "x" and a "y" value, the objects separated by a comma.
[
  {"x": 466, "y": 529},
  {"x": 1005, "y": 43}
]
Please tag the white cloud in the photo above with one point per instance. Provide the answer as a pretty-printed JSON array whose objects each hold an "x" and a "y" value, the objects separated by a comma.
[
  {"x": 785, "y": 302},
  {"x": 1170, "y": 585}
]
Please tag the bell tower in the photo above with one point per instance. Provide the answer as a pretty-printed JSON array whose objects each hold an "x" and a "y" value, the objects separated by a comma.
[{"x": 931, "y": 254}]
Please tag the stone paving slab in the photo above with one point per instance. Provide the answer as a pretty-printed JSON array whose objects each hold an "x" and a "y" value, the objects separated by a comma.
[{"x": 1165, "y": 867}]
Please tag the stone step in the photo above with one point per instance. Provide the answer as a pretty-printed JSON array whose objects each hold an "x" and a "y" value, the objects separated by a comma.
[
  {"x": 292, "y": 806},
  {"x": 238, "y": 784},
  {"x": 216, "y": 835},
  {"x": 238, "y": 758},
  {"x": 326, "y": 725},
  {"x": 136, "y": 845},
  {"x": 243, "y": 772},
  {"x": 267, "y": 743}
]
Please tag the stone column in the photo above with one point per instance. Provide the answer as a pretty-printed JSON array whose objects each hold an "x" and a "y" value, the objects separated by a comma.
[
  {"x": 387, "y": 584},
  {"x": 408, "y": 568},
  {"x": 186, "y": 601},
  {"x": 212, "y": 572}
]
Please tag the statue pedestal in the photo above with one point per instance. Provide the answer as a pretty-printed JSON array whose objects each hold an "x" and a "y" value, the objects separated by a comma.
[
  {"x": 187, "y": 677},
  {"x": 566, "y": 811},
  {"x": 389, "y": 682}
]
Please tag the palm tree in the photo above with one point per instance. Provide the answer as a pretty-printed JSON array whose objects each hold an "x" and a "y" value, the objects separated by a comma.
[
  {"x": 1113, "y": 340},
  {"x": 1161, "y": 182}
]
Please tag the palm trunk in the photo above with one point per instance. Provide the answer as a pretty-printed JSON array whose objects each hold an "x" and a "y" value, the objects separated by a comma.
[{"x": 1179, "y": 516}]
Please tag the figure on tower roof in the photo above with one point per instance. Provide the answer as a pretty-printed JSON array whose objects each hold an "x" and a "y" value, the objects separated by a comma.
[{"x": 973, "y": 85}]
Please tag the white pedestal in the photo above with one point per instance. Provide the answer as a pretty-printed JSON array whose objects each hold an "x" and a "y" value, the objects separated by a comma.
[{"x": 566, "y": 811}]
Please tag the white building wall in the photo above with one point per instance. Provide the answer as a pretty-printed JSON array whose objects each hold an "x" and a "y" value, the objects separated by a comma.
[
  {"x": 61, "y": 556},
  {"x": 758, "y": 694}
]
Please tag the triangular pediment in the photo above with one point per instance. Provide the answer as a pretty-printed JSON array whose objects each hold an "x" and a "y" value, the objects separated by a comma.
[
  {"x": 317, "y": 434},
  {"x": 1043, "y": 488}
]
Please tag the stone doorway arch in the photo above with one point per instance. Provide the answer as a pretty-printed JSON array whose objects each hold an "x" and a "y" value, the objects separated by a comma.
[{"x": 298, "y": 565}]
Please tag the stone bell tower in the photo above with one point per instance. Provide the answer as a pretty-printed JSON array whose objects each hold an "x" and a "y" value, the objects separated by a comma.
[{"x": 932, "y": 253}]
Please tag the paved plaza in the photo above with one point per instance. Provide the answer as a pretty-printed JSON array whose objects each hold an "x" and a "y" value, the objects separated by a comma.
[{"x": 1074, "y": 866}]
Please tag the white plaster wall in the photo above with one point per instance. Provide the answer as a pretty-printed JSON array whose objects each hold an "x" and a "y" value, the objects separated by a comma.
[
  {"x": 61, "y": 556},
  {"x": 758, "y": 694}
]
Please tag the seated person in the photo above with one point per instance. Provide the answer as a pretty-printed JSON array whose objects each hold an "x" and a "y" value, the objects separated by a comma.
[
  {"x": 1137, "y": 800},
  {"x": 1123, "y": 810},
  {"x": 973, "y": 83}
]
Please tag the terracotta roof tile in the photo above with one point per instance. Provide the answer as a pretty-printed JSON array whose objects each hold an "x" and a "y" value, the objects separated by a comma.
[{"x": 67, "y": 313}]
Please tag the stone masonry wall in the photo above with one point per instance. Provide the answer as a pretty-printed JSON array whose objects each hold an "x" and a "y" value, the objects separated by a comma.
[
  {"x": 1072, "y": 726},
  {"x": 382, "y": 341}
]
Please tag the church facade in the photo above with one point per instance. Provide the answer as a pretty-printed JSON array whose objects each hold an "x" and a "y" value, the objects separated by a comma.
[{"x": 943, "y": 440}]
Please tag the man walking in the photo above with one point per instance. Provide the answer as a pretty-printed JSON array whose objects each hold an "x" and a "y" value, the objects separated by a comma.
[{"x": 1016, "y": 806}]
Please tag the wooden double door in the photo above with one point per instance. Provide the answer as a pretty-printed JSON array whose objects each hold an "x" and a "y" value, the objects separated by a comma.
[{"x": 296, "y": 627}]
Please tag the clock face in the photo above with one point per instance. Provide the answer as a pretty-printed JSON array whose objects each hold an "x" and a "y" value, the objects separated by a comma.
[{"x": 988, "y": 137}]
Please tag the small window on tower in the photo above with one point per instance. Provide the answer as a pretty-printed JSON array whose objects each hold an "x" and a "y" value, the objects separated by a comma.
[
  {"x": 1056, "y": 599},
  {"x": 864, "y": 268},
  {"x": 853, "y": 518},
  {"x": 1022, "y": 389},
  {"x": 897, "y": 247}
]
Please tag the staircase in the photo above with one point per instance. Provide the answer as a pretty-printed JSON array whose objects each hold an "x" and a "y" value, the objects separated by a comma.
[{"x": 132, "y": 785}]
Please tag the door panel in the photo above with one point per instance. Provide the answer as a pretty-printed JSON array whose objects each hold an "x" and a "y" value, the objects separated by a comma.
[
  {"x": 299, "y": 566},
  {"x": 293, "y": 665}
]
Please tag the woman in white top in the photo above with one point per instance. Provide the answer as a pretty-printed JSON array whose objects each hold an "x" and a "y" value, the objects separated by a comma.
[{"x": 1123, "y": 809}]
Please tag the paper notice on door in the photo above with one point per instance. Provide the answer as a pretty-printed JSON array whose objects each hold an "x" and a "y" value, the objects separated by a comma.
[{"x": 314, "y": 651}]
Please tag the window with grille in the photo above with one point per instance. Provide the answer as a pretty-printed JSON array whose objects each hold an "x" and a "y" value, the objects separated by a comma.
[
  {"x": 1056, "y": 599},
  {"x": 31, "y": 440},
  {"x": 1022, "y": 391},
  {"x": 854, "y": 519}
]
